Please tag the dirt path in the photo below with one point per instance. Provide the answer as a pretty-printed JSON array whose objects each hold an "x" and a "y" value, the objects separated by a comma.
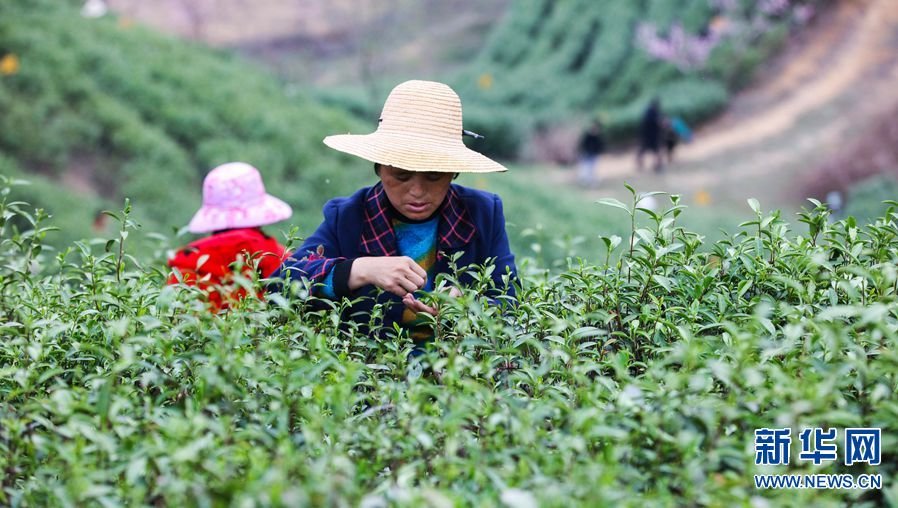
[{"x": 804, "y": 106}]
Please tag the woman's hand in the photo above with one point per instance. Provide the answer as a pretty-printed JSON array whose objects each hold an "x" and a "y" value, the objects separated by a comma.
[
  {"x": 399, "y": 275},
  {"x": 418, "y": 306}
]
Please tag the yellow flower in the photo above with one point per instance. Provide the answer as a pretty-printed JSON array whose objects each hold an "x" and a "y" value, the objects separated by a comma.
[
  {"x": 485, "y": 82},
  {"x": 702, "y": 198},
  {"x": 9, "y": 64}
]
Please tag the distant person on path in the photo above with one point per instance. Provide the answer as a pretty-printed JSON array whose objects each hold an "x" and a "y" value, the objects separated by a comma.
[
  {"x": 235, "y": 206},
  {"x": 650, "y": 130},
  {"x": 400, "y": 233},
  {"x": 591, "y": 145},
  {"x": 836, "y": 204},
  {"x": 675, "y": 131}
]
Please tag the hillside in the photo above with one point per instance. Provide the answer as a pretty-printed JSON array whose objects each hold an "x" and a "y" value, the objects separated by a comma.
[
  {"x": 548, "y": 65},
  {"x": 103, "y": 109},
  {"x": 107, "y": 110},
  {"x": 330, "y": 42},
  {"x": 555, "y": 63},
  {"x": 819, "y": 117}
]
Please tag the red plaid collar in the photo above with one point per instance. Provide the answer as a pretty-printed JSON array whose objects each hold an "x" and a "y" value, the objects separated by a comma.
[{"x": 454, "y": 231}]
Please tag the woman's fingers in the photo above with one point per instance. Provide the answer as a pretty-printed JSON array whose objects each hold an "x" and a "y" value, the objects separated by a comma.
[
  {"x": 413, "y": 303},
  {"x": 406, "y": 285},
  {"x": 417, "y": 305},
  {"x": 398, "y": 275},
  {"x": 407, "y": 270},
  {"x": 414, "y": 272},
  {"x": 428, "y": 309},
  {"x": 416, "y": 268},
  {"x": 416, "y": 279}
]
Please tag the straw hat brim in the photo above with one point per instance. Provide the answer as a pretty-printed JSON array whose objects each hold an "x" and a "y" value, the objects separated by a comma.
[
  {"x": 215, "y": 218},
  {"x": 414, "y": 153}
]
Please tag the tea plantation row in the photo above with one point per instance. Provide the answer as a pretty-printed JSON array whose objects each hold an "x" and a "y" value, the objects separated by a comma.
[{"x": 638, "y": 379}]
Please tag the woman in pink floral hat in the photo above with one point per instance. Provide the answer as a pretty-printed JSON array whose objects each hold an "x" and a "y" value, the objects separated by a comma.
[{"x": 235, "y": 206}]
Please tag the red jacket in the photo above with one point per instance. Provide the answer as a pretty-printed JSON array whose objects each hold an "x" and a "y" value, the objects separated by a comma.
[{"x": 222, "y": 250}]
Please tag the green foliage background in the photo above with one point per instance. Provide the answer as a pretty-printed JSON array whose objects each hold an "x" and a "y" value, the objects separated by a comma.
[
  {"x": 149, "y": 115},
  {"x": 550, "y": 62},
  {"x": 557, "y": 61}
]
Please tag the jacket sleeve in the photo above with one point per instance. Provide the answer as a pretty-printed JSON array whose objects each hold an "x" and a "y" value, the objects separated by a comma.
[
  {"x": 317, "y": 258},
  {"x": 502, "y": 251}
]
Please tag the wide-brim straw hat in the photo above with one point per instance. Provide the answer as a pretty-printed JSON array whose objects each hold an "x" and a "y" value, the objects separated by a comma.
[
  {"x": 420, "y": 129},
  {"x": 234, "y": 197}
]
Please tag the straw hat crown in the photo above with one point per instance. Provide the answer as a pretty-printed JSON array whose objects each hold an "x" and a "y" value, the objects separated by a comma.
[
  {"x": 420, "y": 129},
  {"x": 423, "y": 109}
]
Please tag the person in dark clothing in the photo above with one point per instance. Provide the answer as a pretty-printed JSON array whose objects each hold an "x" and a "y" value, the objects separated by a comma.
[
  {"x": 670, "y": 139},
  {"x": 592, "y": 144},
  {"x": 650, "y": 131}
]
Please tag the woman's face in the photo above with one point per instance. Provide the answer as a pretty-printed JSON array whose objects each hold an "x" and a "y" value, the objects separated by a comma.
[{"x": 415, "y": 194}]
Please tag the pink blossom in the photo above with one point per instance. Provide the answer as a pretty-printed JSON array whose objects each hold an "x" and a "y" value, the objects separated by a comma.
[
  {"x": 690, "y": 52},
  {"x": 774, "y": 7},
  {"x": 803, "y": 13},
  {"x": 680, "y": 48},
  {"x": 724, "y": 5}
]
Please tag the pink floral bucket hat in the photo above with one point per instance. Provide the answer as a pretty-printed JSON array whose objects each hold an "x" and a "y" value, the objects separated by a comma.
[{"x": 234, "y": 197}]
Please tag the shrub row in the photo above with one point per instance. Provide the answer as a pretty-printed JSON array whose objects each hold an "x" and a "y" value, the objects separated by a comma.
[{"x": 637, "y": 378}]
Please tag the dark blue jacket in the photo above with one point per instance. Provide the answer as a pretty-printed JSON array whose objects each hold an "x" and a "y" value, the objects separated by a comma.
[{"x": 471, "y": 222}]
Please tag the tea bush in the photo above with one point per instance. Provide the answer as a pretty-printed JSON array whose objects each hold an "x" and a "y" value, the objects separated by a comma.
[{"x": 637, "y": 378}]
